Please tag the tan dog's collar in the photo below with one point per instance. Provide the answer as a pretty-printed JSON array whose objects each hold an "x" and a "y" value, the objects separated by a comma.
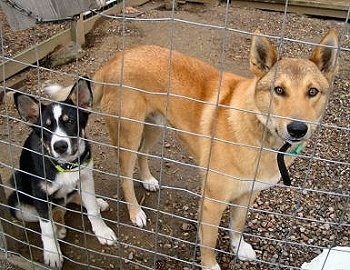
[{"x": 281, "y": 164}]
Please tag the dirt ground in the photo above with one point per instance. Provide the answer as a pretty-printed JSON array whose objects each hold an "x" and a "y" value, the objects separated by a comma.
[{"x": 287, "y": 226}]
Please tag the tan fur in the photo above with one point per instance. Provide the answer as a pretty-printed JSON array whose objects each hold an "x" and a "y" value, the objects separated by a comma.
[{"x": 233, "y": 126}]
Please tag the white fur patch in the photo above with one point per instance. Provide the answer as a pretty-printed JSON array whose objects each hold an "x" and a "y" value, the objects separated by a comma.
[
  {"x": 104, "y": 234},
  {"x": 242, "y": 249},
  {"x": 52, "y": 89},
  {"x": 56, "y": 91},
  {"x": 66, "y": 182},
  {"x": 52, "y": 252},
  {"x": 151, "y": 184},
  {"x": 102, "y": 204},
  {"x": 27, "y": 213},
  {"x": 61, "y": 232},
  {"x": 59, "y": 134},
  {"x": 140, "y": 219},
  {"x": 214, "y": 267}
]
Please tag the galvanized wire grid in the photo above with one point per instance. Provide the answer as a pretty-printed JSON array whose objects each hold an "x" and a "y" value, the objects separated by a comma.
[{"x": 282, "y": 232}]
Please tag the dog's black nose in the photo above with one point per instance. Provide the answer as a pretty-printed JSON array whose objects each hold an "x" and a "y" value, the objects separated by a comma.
[
  {"x": 60, "y": 147},
  {"x": 297, "y": 129}
]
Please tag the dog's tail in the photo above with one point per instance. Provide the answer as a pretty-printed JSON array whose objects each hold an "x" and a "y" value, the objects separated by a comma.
[
  {"x": 60, "y": 93},
  {"x": 56, "y": 91},
  {"x": 7, "y": 97}
]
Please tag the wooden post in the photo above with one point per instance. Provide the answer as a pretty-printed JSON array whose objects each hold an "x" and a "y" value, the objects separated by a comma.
[{"x": 77, "y": 31}]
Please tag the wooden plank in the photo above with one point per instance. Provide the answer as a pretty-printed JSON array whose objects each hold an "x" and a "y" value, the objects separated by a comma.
[
  {"x": 336, "y": 4},
  {"x": 334, "y": 9},
  {"x": 24, "y": 59}
]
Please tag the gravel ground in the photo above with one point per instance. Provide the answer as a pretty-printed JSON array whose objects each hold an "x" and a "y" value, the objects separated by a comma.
[
  {"x": 5, "y": 265},
  {"x": 287, "y": 226}
]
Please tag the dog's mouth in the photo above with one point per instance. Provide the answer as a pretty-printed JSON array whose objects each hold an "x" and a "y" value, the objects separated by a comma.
[
  {"x": 295, "y": 133},
  {"x": 289, "y": 139},
  {"x": 67, "y": 156},
  {"x": 294, "y": 141}
]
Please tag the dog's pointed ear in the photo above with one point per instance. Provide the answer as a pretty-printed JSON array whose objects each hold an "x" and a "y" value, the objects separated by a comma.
[
  {"x": 325, "y": 56},
  {"x": 263, "y": 55},
  {"x": 81, "y": 94},
  {"x": 27, "y": 107}
]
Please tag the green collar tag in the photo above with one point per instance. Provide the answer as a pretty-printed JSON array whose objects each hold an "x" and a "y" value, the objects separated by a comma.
[
  {"x": 297, "y": 150},
  {"x": 58, "y": 168}
]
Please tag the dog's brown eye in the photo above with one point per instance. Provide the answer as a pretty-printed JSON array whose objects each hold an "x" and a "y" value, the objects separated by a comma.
[
  {"x": 312, "y": 92},
  {"x": 279, "y": 90}
]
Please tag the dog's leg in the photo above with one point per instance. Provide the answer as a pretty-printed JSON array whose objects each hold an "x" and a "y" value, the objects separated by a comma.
[
  {"x": 103, "y": 204},
  {"x": 128, "y": 142},
  {"x": 211, "y": 213},
  {"x": 104, "y": 234},
  {"x": 242, "y": 249},
  {"x": 58, "y": 218},
  {"x": 151, "y": 135},
  {"x": 52, "y": 252}
]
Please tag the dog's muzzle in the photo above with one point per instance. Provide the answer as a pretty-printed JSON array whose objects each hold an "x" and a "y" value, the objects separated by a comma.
[{"x": 297, "y": 130}]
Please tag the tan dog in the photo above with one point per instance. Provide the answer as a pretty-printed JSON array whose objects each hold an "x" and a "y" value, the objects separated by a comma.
[{"x": 232, "y": 125}]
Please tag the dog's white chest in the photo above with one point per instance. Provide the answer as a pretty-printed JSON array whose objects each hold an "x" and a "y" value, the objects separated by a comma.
[
  {"x": 68, "y": 181},
  {"x": 260, "y": 182}
]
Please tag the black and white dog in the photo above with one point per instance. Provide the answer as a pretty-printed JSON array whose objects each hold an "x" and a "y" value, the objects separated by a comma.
[{"x": 56, "y": 168}]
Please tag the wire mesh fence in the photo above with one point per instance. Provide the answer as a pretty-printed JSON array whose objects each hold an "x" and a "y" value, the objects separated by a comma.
[{"x": 286, "y": 225}]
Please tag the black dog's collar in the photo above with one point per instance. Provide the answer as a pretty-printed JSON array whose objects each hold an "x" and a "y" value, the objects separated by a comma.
[{"x": 74, "y": 165}]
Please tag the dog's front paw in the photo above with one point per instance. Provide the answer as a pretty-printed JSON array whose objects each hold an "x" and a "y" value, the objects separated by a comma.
[
  {"x": 105, "y": 235},
  {"x": 102, "y": 204},
  {"x": 61, "y": 231},
  {"x": 243, "y": 250},
  {"x": 53, "y": 259},
  {"x": 138, "y": 217},
  {"x": 151, "y": 184},
  {"x": 214, "y": 267}
]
